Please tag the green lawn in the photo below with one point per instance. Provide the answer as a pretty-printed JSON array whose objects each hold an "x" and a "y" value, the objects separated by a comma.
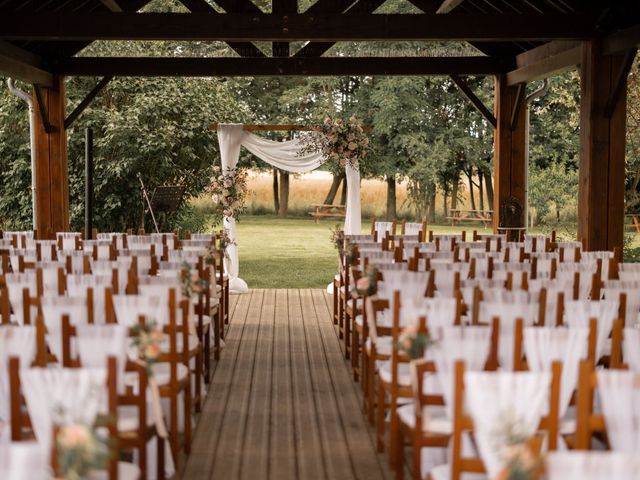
[
  {"x": 290, "y": 253},
  {"x": 297, "y": 253}
]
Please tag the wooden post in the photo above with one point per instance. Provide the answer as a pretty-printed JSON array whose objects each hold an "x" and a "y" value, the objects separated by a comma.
[
  {"x": 52, "y": 183},
  {"x": 602, "y": 150},
  {"x": 509, "y": 147}
]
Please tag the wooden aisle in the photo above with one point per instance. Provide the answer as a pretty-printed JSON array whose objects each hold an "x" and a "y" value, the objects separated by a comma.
[{"x": 282, "y": 403}]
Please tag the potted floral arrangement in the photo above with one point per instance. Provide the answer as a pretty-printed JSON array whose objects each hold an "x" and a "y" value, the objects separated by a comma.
[
  {"x": 345, "y": 142},
  {"x": 81, "y": 448},
  {"x": 228, "y": 191},
  {"x": 147, "y": 339}
]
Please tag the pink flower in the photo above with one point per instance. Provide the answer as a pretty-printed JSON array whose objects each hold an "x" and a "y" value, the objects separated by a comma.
[
  {"x": 216, "y": 184},
  {"x": 74, "y": 436},
  {"x": 340, "y": 149},
  {"x": 152, "y": 351},
  {"x": 338, "y": 121},
  {"x": 353, "y": 145},
  {"x": 229, "y": 200},
  {"x": 343, "y": 162},
  {"x": 216, "y": 168},
  {"x": 227, "y": 213},
  {"x": 362, "y": 284}
]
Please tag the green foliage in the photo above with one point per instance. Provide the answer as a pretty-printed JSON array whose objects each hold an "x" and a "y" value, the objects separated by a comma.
[{"x": 554, "y": 186}]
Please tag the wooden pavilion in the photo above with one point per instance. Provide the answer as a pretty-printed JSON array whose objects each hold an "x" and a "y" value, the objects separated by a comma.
[{"x": 518, "y": 41}]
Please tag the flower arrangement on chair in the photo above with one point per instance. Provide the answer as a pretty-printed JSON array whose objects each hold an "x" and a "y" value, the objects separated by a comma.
[
  {"x": 522, "y": 461},
  {"x": 228, "y": 192},
  {"x": 367, "y": 285},
  {"x": 147, "y": 339},
  {"x": 81, "y": 448},
  {"x": 345, "y": 142},
  {"x": 191, "y": 281},
  {"x": 414, "y": 342}
]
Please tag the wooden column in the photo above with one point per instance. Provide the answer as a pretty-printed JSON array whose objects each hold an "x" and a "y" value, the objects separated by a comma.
[
  {"x": 52, "y": 178},
  {"x": 602, "y": 149},
  {"x": 509, "y": 147}
]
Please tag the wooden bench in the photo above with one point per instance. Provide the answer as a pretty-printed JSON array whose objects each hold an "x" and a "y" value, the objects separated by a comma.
[
  {"x": 458, "y": 215},
  {"x": 634, "y": 221},
  {"x": 327, "y": 211}
]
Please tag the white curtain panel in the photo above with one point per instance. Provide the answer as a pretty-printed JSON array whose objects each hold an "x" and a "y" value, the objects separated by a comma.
[
  {"x": 23, "y": 461},
  {"x": 620, "y": 394},
  {"x": 497, "y": 400},
  {"x": 592, "y": 465},
  {"x": 545, "y": 345},
  {"x": 282, "y": 155}
]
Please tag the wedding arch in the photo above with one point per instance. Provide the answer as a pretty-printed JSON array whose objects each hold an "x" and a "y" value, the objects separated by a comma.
[{"x": 285, "y": 155}]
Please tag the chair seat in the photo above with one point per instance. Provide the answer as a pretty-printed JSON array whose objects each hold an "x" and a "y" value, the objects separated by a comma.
[
  {"x": 404, "y": 373},
  {"x": 443, "y": 472},
  {"x": 162, "y": 373},
  {"x": 128, "y": 418},
  {"x": 126, "y": 471},
  {"x": 434, "y": 419}
]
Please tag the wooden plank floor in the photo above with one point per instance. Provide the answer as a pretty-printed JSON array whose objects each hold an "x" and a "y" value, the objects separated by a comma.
[{"x": 282, "y": 403}]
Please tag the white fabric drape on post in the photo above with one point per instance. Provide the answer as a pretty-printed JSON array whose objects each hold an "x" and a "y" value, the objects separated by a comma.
[{"x": 285, "y": 156}]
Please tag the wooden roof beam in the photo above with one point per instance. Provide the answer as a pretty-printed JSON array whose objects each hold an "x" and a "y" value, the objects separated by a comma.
[
  {"x": 620, "y": 82},
  {"x": 293, "y": 27},
  {"x": 291, "y": 66},
  {"x": 86, "y": 101},
  {"x": 545, "y": 66},
  {"x": 23, "y": 65},
  {"x": 473, "y": 98}
]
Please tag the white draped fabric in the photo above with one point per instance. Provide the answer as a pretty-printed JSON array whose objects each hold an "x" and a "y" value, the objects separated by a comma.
[
  {"x": 621, "y": 407},
  {"x": 594, "y": 465},
  {"x": 503, "y": 399},
  {"x": 285, "y": 156}
]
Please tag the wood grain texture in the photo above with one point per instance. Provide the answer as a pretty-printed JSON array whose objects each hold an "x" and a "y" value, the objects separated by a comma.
[{"x": 282, "y": 403}]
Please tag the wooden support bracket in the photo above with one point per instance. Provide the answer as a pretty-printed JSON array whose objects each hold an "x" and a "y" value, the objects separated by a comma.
[
  {"x": 44, "y": 115},
  {"x": 473, "y": 98},
  {"x": 516, "y": 105},
  {"x": 620, "y": 82},
  {"x": 86, "y": 101}
]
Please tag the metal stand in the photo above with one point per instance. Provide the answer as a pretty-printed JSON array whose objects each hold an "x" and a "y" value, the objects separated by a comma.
[{"x": 146, "y": 198}]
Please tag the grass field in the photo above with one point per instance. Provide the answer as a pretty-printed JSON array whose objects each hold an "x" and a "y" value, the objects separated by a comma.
[{"x": 290, "y": 253}]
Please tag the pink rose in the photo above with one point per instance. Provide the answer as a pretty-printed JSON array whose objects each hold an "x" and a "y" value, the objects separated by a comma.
[
  {"x": 343, "y": 162},
  {"x": 74, "y": 436},
  {"x": 338, "y": 121},
  {"x": 216, "y": 184},
  {"x": 362, "y": 284},
  {"x": 340, "y": 149}
]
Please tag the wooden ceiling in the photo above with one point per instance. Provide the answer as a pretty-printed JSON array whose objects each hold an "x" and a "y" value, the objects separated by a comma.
[{"x": 42, "y": 37}]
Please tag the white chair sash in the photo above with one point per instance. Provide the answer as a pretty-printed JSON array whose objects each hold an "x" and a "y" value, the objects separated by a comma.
[
  {"x": 620, "y": 394},
  {"x": 53, "y": 309},
  {"x": 577, "y": 313},
  {"x": 60, "y": 396},
  {"x": 129, "y": 307},
  {"x": 631, "y": 348},
  {"x": 470, "y": 344},
  {"x": 497, "y": 400},
  {"x": 96, "y": 343},
  {"x": 17, "y": 342},
  {"x": 545, "y": 345},
  {"x": 592, "y": 465}
]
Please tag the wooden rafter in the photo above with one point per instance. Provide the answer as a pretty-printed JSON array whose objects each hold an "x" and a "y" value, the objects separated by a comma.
[
  {"x": 208, "y": 67},
  {"x": 473, "y": 98},
  {"x": 95, "y": 91},
  {"x": 294, "y": 27},
  {"x": 42, "y": 108},
  {"x": 244, "y": 49},
  {"x": 516, "y": 106},
  {"x": 620, "y": 82},
  {"x": 23, "y": 65},
  {"x": 282, "y": 49},
  {"x": 448, "y": 5}
]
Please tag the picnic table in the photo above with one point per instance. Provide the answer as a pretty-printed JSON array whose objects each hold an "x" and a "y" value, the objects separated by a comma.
[
  {"x": 457, "y": 215},
  {"x": 634, "y": 221},
  {"x": 322, "y": 210}
]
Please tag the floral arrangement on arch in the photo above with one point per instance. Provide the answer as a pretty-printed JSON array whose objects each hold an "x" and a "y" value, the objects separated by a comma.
[
  {"x": 345, "y": 142},
  {"x": 228, "y": 191}
]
